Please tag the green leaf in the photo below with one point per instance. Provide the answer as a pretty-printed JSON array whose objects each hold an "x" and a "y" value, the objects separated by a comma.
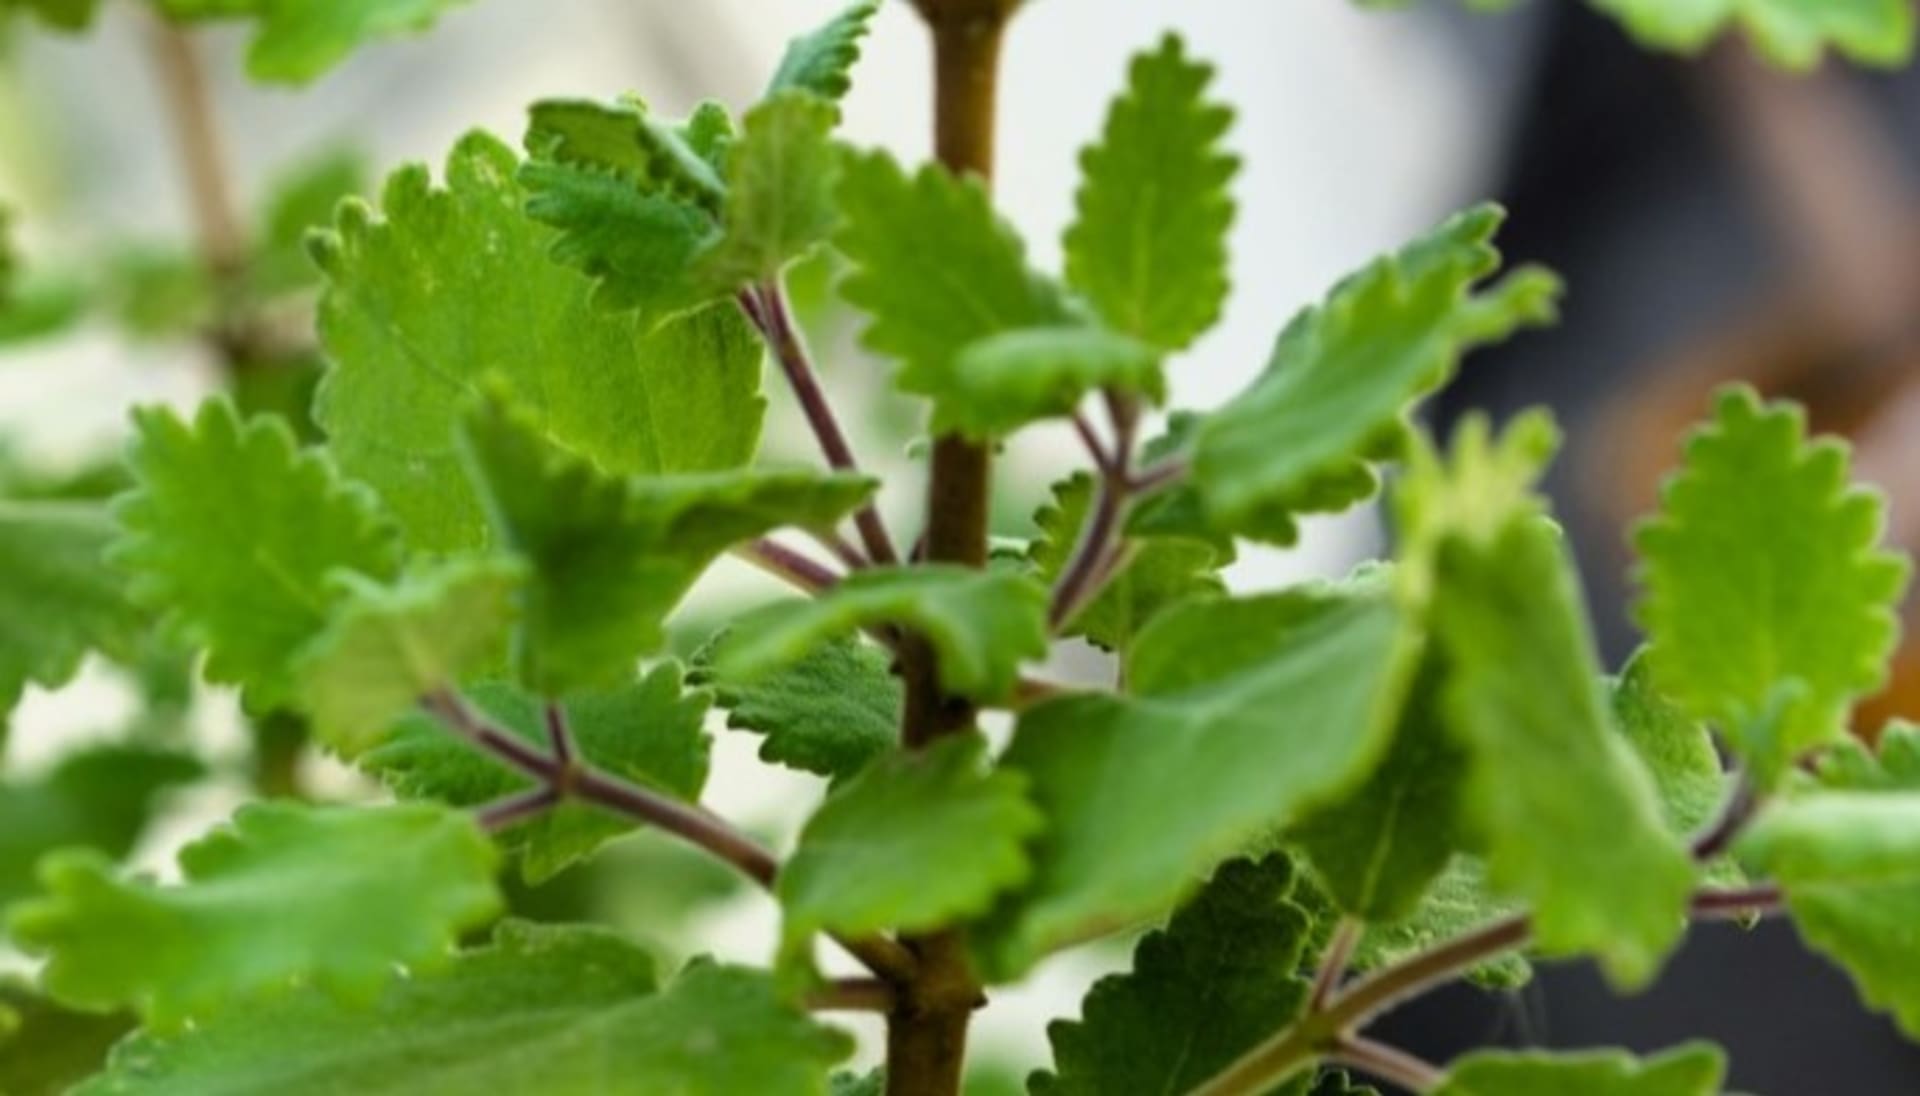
[
  {"x": 1346, "y": 373},
  {"x": 1680, "y": 754},
  {"x": 298, "y": 40},
  {"x": 301, "y": 199},
  {"x": 611, "y": 557},
  {"x": 1219, "y": 979},
  {"x": 100, "y": 798},
  {"x": 1791, "y": 33},
  {"x": 1568, "y": 816},
  {"x": 1458, "y": 901},
  {"x": 1162, "y": 572},
  {"x": 334, "y": 895},
  {"x": 1292, "y": 703},
  {"x": 1692, "y": 1069},
  {"x": 389, "y": 646},
  {"x": 58, "y": 597},
  {"x": 626, "y": 139},
  {"x": 648, "y": 731},
  {"x": 982, "y": 624},
  {"x": 831, "y": 712},
  {"x": 9, "y": 263},
  {"x": 861, "y": 863},
  {"x": 67, "y": 15},
  {"x": 1733, "y": 608},
  {"x": 45, "y": 1050},
  {"x": 934, "y": 267},
  {"x": 455, "y": 287},
  {"x": 779, "y": 204},
  {"x": 1149, "y": 247},
  {"x": 1378, "y": 850},
  {"x": 236, "y": 533},
  {"x": 1005, "y": 381},
  {"x": 1848, "y": 855},
  {"x": 820, "y": 60},
  {"x": 562, "y": 1010}
]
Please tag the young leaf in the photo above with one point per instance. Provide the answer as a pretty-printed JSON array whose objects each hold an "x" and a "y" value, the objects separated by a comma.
[
  {"x": 1345, "y": 374},
  {"x": 829, "y": 713},
  {"x": 934, "y": 268},
  {"x": 1162, "y": 572},
  {"x": 99, "y": 798},
  {"x": 982, "y": 624},
  {"x": 624, "y": 138},
  {"x": 1293, "y": 700},
  {"x": 611, "y": 557},
  {"x": 1791, "y": 33},
  {"x": 455, "y": 287},
  {"x": 237, "y": 534},
  {"x": 1733, "y": 608},
  {"x": 1005, "y": 381},
  {"x": 820, "y": 60},
  {"x": 1568, "y": 817},
  {"x": 297, "y": 40},
  {"x": 58, "y": 597},
  {"x": 1149, "y": 247},
  {"x": 389, "y": 646},
  {"x": 1210, "y": 986},
  {"x": 563, "y": 1011},
  {"x": 285, "y": 893},
  {"x": 1848, "y": 855},
  {"x": 1378, "y": 850},
  {"x": 648, "y": 731},
  {"x": 779, "y": 203},
  {"x": 1693, "y": 1069},
  {"x": 861, "y": 863}
]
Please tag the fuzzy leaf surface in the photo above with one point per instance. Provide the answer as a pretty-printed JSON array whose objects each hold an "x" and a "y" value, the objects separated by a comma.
[
  {"x": 1148, "y": 248},
  {"x": 454, "y": 288},
  {"x": 1211, "y": 985},
  {"x": 1692, "y": 1069},
  {"x": 648, "y": 731},
  {"x": 829, "y": 713},
  {"x": 298, "y": 40},
  {"x": 238, "y": 534},
  {"x": 821, "y": 61},
  {"x": 1762, "y": 567},
  {"x": 59, "y": 599},
  {"x": 1793, "y": 34},
  {"x": 779, "y": 204},
  {"x": 1293, "y": 702},
  {"x": 1005, "y": 381},
  {"x": 284, "y": 893}
]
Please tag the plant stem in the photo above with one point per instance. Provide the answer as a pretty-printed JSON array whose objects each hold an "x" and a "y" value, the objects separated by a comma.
[
  {"x": 1094, "y": 554},
  {"x": 1333, "y": 964},
  {"x": 518, "y": 807},
  {"x": 767, "y": 307},
  {"x": 183, "y": 86},
  {"x": 1733, "y": 818},
  {"x": 852, "y": 995},
  {"x": 1158, "y": 477},
  {"x": 784, "y": 563},
  {"x": 1387, "y": 1063}
]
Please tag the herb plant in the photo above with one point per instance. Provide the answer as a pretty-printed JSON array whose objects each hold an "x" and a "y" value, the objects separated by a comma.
[{"x": 537, "y": 428}]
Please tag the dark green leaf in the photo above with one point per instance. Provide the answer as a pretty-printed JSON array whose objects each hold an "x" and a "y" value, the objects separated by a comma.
[{"x": 830, "y": 713}]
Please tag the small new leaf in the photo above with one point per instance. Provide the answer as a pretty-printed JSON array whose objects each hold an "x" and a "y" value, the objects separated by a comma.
[
  {"x": 1693, "y": 1069},
  {"x": 1005, "y": 381},
  {"x": 830, "y": 713},
  {"x": 1149, "y": 247},
  {"x": 982, "y": 624},
  {"x": 820, "y": 61},
  {"x": 297, "y": 40},
  {"x": 1212, "y": 984},
  {"x": 238, "y": 534},
  {"x": 286, "y": 893},
  {"x": 779, "y": 198}
]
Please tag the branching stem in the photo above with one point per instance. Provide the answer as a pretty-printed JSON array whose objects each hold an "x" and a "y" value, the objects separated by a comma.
[
  {"x": 1387, "y": 1063},
  {"x": 787, "y": 565},
  {"x": 1095, "y": 552},
  {"x": 852, "y": 995},
  {"x": 1333, "y": 964}
]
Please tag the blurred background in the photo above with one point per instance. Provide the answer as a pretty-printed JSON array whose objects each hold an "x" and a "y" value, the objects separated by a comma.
[{"x": 1713, "y": 220}]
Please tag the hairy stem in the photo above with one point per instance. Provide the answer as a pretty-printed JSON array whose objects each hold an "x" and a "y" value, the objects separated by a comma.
[
  {"x": 767, "y": 307},
  {"x": 1333, "y": 964},
  {"x": 1096, "y": 551},
  {"x": 787, "y": 565},
  {"x": 1387, "y": 1063}
]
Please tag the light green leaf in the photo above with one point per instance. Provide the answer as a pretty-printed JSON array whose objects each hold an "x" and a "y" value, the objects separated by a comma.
[
  {"x": 982, "y": 624},
  {"x": 830, "y": 713},
  {"x": 563, "y": 1011},
  {"x": 333, "y": 895},
  {"x": 1762, "y": 568},
  {"x": 648, "y": 731},
  {"x": 68, "y": 15},
  {"x": 1219, "y": 979},
  {"x": 100, "y": 798},
  {"x": 1005, "y": 381},
  {"x": 861, "y": 863},
  {"x": 934, "y": 267},
  {"x": 1848, "y": 855},
  {"x": 455, "y": 287},
  {"x": 1791, "y": 33},
  {"x": 1149, "y": 247},
  {"x": 298, "y": 40},
  {"x": 237, "y": 533},
  {"x": 611, "y": 557},
  {"x": 779, "y": 204},
  {"x": 1692, "y": 1069},
  {"x": 58, "y": 597},
  {"x": 1345, "y": 374},
  {"x": 821, "y": 60},
  {"x": 1680, "y": 754},
  {"x": 1162, "y": 572},
  {"x": 1568, "y": 816},
  {"x": 625, "y": 138},
  {"x": 1292, "y": 703},
  {"x": 389, "y": 646}
]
